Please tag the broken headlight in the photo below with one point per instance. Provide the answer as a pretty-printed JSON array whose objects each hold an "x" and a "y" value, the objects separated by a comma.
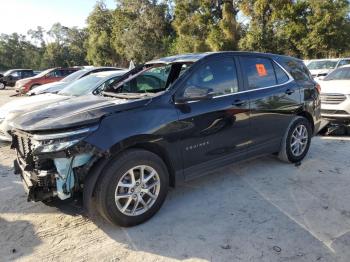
[{"x": 54, "y": 142}]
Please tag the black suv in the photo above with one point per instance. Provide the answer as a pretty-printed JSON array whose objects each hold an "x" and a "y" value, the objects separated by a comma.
[
  {"x": 162, "y": 123},
  {"x": 10, "y": 77}
]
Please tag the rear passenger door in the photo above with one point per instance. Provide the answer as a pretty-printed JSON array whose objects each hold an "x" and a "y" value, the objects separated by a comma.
[{"x": 274, "y": 99}]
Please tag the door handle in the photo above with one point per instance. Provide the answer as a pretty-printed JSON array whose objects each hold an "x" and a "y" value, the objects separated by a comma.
[
  {"x": 239, "y": 102},
  {"x": 289, "y": 91}
]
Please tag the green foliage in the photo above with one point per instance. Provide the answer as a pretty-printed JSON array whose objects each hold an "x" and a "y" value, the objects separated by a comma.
[
  {"x": 140, "y": 29},
  {"x": 100, "y": 49}
]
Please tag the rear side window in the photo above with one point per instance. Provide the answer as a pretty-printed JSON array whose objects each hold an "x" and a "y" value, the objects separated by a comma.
[{"x": 259, "y": 71}]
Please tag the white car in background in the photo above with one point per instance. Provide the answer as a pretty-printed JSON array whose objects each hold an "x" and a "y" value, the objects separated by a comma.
[
  {"x": 335, "y": 95},
  {"x": 321, "y": 67},
  {"x": 90, "y": 85}
]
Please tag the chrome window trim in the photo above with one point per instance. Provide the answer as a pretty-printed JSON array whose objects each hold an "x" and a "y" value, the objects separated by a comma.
[{"x": 291, "y": 79}]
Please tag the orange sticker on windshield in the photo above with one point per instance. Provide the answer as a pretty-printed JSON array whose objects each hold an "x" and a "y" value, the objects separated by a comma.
[{"x": 260, "y": 68}]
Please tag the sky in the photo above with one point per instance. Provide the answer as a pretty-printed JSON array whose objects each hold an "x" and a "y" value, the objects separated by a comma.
[{"x": 21, "y": 15}]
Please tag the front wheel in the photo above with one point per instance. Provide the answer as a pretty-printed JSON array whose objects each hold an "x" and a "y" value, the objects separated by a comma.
[
  {"x": 2, "y": 86},
  {"x": 132, "y": 188},
  {"x": 296, "y": 142}
]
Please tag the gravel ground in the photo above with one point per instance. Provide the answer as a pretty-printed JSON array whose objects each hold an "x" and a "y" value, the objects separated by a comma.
[{"x": 259, "y": 210}]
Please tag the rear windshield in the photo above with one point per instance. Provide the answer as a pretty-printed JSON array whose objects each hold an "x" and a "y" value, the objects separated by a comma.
[{"x": 74, "y": 76}]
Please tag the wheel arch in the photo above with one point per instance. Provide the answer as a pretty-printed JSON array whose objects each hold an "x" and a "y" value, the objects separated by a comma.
[
  {"x": 309, "y": 117},
  {"x": 100, "y": 163}
]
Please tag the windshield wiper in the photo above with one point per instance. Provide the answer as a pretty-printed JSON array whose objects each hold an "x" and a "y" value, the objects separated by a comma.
[{"x": 126, "y": 95}]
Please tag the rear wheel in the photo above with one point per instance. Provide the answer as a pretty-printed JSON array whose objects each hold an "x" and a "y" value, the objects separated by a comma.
[
  {"x": 296, "y": 142},
  {"x": 2, "y": 86},
  {"x": 133, "y": 188}
]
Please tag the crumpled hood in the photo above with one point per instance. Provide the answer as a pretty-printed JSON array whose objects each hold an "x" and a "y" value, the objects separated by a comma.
[
  {"x": 335, "y": 86},
  {"x": 48, "y": 88},
  {"x": 24, "y": 103},
  {"x": 73, "y": 112}
]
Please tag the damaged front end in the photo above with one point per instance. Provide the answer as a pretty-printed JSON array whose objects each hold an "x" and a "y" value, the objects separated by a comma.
[{"x": 52, "y": 164}]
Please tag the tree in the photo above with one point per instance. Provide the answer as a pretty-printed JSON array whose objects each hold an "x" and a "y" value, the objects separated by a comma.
[
  {"x": 264, "y": 15},
  {"x": 140, "y": 29},
  {"x": 225, "y": 34},
  {"x": 100, "y": 50},
  {"x": 206, "y": 25},
  {"x": 328, "y": 27}
]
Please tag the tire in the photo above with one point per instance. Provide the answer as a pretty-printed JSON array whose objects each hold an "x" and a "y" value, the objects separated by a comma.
[
  {"x": 117, "y": 175},
  {"x": 289, "y": 151},
  {"x": 2, "y": 86}
]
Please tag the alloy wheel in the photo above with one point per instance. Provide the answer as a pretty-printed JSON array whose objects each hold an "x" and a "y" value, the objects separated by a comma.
[
  {"x": 2, "y": 86},
  {"x": 137, "y": 190},
  {"x": 299, "y": 140}
]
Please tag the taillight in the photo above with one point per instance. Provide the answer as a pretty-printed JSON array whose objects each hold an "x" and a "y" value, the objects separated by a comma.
[{"x": 318, "y": 88}]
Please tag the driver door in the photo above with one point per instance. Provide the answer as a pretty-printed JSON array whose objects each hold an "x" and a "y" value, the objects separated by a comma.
[{"x": 214, "y": 131}]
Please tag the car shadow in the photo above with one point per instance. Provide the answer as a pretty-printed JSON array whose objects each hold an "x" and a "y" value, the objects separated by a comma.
[{"x": 17, "y": 239}]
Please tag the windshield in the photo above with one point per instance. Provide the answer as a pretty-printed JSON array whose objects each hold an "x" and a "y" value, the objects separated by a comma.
[
  {"x": 322, "y": 64},
  {"x": 8, "y": 72},
  {"x": 43, "y": 73},
  {"x": 85, "y": 85},
  {"x": 74, "y": 76},
  {"x": 152, "y": 79},
  {"x": 339, "y": 74}
]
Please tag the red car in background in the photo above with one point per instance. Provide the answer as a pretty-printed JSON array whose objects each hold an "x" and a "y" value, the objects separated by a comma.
[{"x": 45, "y": 77}]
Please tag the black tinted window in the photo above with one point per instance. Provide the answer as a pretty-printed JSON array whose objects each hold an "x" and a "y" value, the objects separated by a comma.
[
  {"x": 259, "y": 72},
  {"x": 298, "y": 70},
  {"x": 220, "y": 76},
  {"x": 281, "y": 76},
  {"x": 27, "y": 73}
]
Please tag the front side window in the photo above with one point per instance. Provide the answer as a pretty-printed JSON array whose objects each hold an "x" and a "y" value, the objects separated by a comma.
[
  {"x": 218, "y": 76},
  {"x": 259, "y": 72},
  {"x": 15, "y": 74}
]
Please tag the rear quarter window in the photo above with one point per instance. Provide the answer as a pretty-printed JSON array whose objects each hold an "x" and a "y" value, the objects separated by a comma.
[{"x": 298, "y": 70}]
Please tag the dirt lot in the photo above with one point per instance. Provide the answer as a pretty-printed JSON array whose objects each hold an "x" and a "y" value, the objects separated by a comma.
[{"x": 260, "y": 210}]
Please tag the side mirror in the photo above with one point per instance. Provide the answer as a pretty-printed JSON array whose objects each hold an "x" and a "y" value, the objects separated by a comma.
[{"x": 194, "y": 93}]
